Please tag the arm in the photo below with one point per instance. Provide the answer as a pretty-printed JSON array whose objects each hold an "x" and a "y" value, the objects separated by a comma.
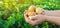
[
  {"x": 52, "y": 13},
  {"x": 52, "y": 19},
  {"x": 35, "y": 19},
  {"x": 41, "y": 18}
]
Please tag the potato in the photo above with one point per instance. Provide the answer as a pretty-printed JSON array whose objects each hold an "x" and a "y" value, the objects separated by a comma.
[
  {"x": 39, "y": 10},
  {"x": 31, "y": 14},
  {"x": 31, "y": 8},
  {"x": 32, "y": 11}
]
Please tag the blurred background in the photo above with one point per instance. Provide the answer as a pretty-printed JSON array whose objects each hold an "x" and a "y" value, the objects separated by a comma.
[{"x": 11, "y": 12}]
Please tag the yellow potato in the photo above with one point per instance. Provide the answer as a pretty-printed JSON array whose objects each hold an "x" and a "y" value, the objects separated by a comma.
[
  {"x": 31, "y": 8},
  {"x": 32, "y": 11},
  {"x": 38, "y": 10},
  {"x": 31, "y": 14}
]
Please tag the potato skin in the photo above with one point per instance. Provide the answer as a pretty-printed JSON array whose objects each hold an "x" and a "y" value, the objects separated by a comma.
[
  {"x": 31, "y": 8},
  {"x": 39, "y": 10},
  {"x": 31, "y": 14},
  {"x": 32, "y": 11}
]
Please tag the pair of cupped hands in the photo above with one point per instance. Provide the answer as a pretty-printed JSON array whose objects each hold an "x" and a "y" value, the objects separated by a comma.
[{"x": 37, "y": 19}]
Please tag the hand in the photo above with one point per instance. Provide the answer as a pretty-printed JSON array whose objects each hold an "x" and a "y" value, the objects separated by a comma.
[
  {"x": 37, "y": 19},
  {"x": 34, "y": 20}
]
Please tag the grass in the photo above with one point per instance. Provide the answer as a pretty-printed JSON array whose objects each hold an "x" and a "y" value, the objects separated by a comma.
[{"x": 12, "y": 13}]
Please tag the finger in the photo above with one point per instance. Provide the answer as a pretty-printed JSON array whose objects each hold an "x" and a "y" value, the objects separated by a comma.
[
  {"x": 25, "y": 11},
  {"x": 33, "y": 18},
  {"x": 36, "y": 17},
  {"x": 26, "y": 18},
  {"x": 25, "y": 15},
  {"x": 34, "y": 23}
]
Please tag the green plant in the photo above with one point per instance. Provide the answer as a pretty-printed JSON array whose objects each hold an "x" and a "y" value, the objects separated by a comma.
[{"x": 13, "y": 13}]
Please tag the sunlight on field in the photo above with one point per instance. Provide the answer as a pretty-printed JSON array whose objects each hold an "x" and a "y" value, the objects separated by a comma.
[{"x": 12, "y": 12}]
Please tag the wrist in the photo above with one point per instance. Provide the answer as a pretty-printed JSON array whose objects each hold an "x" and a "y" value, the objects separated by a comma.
[
  {"x": 45, "y": 12},
  {"x": 45, "y": 18}
]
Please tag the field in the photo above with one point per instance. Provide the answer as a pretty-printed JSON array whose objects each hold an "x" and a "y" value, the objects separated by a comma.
[{"x": 12, "y": 13}]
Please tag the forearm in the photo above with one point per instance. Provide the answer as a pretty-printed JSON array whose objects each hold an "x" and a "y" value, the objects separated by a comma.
[
  {"x": 52, "y": 13},
  {"x": 52, "y": 19}
]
